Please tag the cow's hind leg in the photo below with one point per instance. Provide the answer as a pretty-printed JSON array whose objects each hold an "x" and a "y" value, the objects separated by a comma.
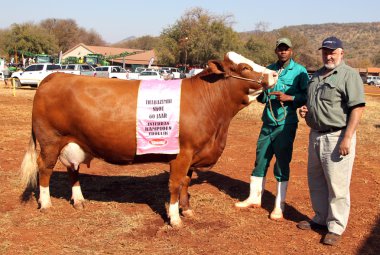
[
  {"x": 184, "y": 195},
  {"x": 77, "y": 197},
  {"x": 72, "y": 156},
  {"x": 46, "y": 162},
  {"x": 178, "y": 170}
]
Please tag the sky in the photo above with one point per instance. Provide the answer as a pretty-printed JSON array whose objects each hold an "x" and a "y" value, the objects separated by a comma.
[{"x": 116, "y": 20}]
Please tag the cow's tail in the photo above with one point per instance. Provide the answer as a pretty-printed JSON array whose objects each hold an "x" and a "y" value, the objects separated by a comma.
[{"x": 29, "y": 167}]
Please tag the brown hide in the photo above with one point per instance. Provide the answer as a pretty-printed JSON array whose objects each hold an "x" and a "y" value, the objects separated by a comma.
[{"x": 100, "y": 114}]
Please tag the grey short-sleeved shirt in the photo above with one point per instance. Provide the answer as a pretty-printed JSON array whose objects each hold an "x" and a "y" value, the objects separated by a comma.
[{"x": 331, "y": 97}]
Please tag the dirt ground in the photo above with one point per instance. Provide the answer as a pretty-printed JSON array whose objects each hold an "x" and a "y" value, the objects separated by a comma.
[{"x": 126, "y": 206}]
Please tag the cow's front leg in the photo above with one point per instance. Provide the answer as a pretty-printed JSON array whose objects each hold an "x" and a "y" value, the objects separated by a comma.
[
  {"x": 178, "y": 169},
  {"x": 184, "y": 196},
  {"x": 175, "y": 220}
]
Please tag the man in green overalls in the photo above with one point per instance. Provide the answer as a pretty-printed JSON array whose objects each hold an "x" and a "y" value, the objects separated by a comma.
[{"x": 280, "y": 122}]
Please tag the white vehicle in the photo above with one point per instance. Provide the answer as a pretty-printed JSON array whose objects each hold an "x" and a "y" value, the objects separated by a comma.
[
  {"x": 138, "y": 70},
  {"x": 166, "y": 75},
  {"x": 78, "y": 69},
  {"x": 373, "y": 80},
  {"x": 34, "y": 74},
  {"x": 193, "y": 72},
  {"x": 175, "y": 73},
  {"x": 150, "y": 75},
  {"x": 111, "y": 72}
]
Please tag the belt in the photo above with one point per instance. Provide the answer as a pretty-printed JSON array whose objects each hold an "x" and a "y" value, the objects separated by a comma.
[{"x": 330, "y": 130}]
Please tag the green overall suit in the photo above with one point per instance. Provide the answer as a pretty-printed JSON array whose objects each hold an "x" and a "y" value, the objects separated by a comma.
[{"x": 280, "y": 124}]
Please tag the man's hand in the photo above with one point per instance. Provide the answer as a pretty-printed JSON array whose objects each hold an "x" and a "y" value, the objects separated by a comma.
[
  {"x": 303, "y": 111},
  {"x": 344, "y": 146},
  {"x": 280, "y": 96}
]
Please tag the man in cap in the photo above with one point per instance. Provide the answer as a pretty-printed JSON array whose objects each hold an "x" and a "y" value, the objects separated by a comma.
[
  {"x": 333, "y": 110},
  {"x": 279, "y": 127}
]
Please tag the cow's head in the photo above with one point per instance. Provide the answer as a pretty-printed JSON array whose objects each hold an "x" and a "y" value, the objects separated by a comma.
[{"x": 238, "y": 67}]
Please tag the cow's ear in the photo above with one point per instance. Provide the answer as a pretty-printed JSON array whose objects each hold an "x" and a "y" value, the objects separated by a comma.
[{"x": 216, "y": 66}]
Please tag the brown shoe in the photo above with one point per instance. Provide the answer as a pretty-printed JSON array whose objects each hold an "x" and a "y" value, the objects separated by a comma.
[
  {"x": 309, "y": 224},
  {"x": 331, "y": 238}
]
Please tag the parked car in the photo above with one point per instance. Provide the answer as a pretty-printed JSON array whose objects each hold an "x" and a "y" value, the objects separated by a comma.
[
  {"x": 193, "y": 72},
  {"x": 166, "y": 75},
  {"x": 139, "y": 69},
  {"x": 373, "y": 80},
  {"x": 78, "y": 69},
  {"x": 111, "y": 72},
  {"x": 135, "y": 75},
  {"x": 150, "y": 75},
  {"x": 34, "y": 74},
  {"x": 174, "y": 72}
]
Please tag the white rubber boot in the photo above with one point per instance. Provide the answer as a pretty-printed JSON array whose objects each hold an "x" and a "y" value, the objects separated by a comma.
[
  {"x": 255, "y": 193},
  {"x": 278, "y": 211}
]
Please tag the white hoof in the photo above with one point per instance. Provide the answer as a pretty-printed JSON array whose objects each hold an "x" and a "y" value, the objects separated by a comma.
[
  {"x": 246, "y": 204},
  {"x": 44, "y": 199},
  {"x": 277, "y": 214},
  {"x": 44, "y": 207},
  {"x": 176, "y": 223},
  {"x": 188, "y": 213},
  {"x": 79, "y": 205}
]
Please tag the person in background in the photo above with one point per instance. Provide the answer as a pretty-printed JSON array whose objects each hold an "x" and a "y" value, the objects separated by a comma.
[
  {"x": 7, "y": 75},
  {"x": 334, "y": 107},
  {"x": 280, "y": 122}
]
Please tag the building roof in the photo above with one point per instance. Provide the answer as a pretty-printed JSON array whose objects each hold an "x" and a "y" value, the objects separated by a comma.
[
  {"x": 140, "y": 57},
  {"x": 109, "y": 51},
  {"x": 373, "y": 69}
]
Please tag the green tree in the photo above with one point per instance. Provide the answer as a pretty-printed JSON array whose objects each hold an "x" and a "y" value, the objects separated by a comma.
[
  {"x": 27, "y": 38},
  {"x": 196, "y": 38},
  {"x": 3, "y": 34},
  {"x": 260, "y": 50}
]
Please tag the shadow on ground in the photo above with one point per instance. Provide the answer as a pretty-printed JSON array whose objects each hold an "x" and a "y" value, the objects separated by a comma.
[
  {"x": 239, "y": 190},
  {"x": 372, "y": 244},
  {"x": 151, "y": 190}
]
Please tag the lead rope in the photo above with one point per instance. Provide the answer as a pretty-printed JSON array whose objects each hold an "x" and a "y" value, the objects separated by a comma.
[{"x": 270, "y": 103}]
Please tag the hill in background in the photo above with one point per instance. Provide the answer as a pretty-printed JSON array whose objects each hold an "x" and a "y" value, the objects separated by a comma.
[{"x": 360, "y": 40}]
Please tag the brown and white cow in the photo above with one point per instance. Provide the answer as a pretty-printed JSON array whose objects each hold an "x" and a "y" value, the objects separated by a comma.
[{"x": 76, "y": 118}]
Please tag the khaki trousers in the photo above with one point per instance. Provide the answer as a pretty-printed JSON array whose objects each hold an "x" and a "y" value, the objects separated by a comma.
[{"x": 329, "y": 177}]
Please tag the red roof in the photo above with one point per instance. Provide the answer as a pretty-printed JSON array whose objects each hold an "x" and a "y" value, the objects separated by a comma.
[
  {"x": 141, "y": 57},
  {"x": 373, "y": 69},
  {"x": 109, "y": 51}
]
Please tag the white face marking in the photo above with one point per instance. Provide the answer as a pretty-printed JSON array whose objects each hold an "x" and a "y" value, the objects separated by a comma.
[{"x": 237, "y": 59}]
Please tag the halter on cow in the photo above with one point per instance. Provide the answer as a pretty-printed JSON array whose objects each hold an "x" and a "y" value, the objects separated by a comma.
[{"x": 76, "y": 118}]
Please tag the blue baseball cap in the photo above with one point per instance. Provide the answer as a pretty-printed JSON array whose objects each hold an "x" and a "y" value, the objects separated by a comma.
[{"x": 331, "y": 43}]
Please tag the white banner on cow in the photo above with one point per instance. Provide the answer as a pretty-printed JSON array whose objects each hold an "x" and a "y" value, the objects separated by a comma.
[{"x": 157, "y": 124}]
